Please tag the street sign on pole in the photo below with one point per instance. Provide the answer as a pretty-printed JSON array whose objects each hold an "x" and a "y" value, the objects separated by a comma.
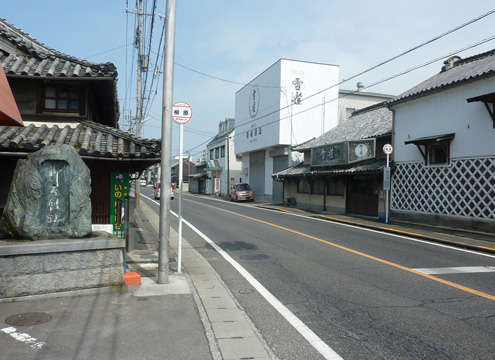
[
  {"x": 387, "y": 149},
  {"x": 181, "y": 112}
]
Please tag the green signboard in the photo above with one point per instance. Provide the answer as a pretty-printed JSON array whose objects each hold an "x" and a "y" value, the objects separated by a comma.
[
  {"x": 119, "y": 183},
  {"x": 328, "y": 155},
  {"x": 361, "y": 150}
]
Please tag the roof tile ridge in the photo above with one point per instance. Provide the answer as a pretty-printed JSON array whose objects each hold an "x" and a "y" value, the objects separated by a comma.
[{"x": 47, "y": 50}]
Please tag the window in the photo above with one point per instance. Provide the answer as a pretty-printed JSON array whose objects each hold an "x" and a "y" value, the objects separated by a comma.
[
  {"x": 211, "y": 154},
  {"x": 348, "y": 112},
  {"x": 222, "y": 151},
  {"x": 435, "y": 150},
  {"x": 303, "y": 186},
  {"x": 318, "y": 187},
  {"x": 62, "y": 97},
  {"x": 335, "y": 186},
  {"x": 438, "y": 154},
  {"x": 216, "y": 153}
]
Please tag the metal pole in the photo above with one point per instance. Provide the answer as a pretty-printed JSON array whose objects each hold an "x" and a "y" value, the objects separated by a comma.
[
  {"x": 139, "y": 108},
  {"x": 139, "y": 69},
  {"x": 386, "y": 196},
  {"x": 168, "y": 85},
  {"x": 179, "y": 240},
  {"x": 227, "y": 159}
]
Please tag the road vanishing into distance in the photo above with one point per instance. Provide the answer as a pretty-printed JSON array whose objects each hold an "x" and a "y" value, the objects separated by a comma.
[{"x": 365, "y": 294}]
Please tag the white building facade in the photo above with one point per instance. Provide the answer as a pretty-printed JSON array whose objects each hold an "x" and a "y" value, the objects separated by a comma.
[
  {"x": 353, "y": 100},
  {"x": 223, "y": 168},
  {"x": 444, "y": 146},
  {"x": 289, "y": 103}
]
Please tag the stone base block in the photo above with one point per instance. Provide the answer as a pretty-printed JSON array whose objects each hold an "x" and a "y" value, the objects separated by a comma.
[{"x": 60, "y": 265}]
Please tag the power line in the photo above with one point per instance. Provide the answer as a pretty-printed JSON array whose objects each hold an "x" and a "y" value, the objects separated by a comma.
[
  {"x": 377, "y": 82},
  {"x": 345, "y": 95}
]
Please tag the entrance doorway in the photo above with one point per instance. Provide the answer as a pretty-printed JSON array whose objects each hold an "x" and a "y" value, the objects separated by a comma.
[{"x": 362, "y": 198}]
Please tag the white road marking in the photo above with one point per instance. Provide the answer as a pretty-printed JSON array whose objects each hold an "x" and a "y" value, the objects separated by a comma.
[
  {"x": 23, "y": 337},
  {"x": 457, "y": 270},
  {"x": 306, "y": 332}
]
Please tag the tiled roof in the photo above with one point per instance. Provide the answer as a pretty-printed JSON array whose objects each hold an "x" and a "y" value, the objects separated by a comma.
[
  {"x": 455, "y": 72},
  {"x": 374, "y": 166},
  {"x": 370, "y": 122},
  {"x": 31, "y": 57},
  {"x": 89, "y": 138}
]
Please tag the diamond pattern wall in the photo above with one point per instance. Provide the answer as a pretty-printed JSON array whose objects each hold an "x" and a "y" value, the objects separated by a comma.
[{"x": 465, "y": 188}]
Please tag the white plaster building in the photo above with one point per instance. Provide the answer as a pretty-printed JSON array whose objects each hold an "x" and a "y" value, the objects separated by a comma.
[
  {"x": 444, "y": 146},
  {"x": 353, "y": 100},
  {"x": 287, "y": 104},
  {"x": 223, "y": 168}
]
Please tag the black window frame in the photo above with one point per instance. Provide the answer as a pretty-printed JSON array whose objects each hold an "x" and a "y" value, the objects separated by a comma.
[
  {"x": 318, "y": 186},
  {"x": 59, "y": 98},
  {"x": 438, "y": 153},
  {"x": 335, "y": 186},
  {"x": 303, "y": 186}
]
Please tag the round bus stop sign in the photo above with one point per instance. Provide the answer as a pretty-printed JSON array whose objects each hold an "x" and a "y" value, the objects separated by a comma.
[
  {"x": 181, "y": 112},
  {"x": 387, "y": 149}
]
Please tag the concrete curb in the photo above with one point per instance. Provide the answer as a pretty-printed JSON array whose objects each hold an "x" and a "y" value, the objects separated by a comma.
[{"x": 230, "y": 333}]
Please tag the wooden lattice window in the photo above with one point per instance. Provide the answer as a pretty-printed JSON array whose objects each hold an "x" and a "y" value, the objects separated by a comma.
[{"x": 60, "y": 97}]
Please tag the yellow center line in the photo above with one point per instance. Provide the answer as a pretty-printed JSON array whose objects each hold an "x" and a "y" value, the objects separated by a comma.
[
  {"x": 434, "y": 278},
  {"x": 339, "y": 220},
  {"x": 485, "y": 247},
  {"x": 401, "y": 231}
]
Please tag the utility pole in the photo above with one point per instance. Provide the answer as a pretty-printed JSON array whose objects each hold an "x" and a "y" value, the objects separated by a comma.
[
  {"x": 168, "y": 86},
  {"x": 139, "y": 97}
]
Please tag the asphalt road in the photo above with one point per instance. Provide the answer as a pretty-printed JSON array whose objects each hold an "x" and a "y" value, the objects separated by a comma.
[{"x": 367, "y": 295}]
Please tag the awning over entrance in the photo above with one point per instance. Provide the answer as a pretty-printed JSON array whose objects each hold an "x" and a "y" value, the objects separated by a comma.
[
  {"x": 198, "y": 176},
  {"x": 213, "y": 165},
  {"x": 9, "y": 112},
  {"x": 430, "y": 139}
]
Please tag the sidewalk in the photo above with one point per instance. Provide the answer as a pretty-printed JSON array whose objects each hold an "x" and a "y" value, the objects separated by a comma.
[{"x": 194, "y": 316}]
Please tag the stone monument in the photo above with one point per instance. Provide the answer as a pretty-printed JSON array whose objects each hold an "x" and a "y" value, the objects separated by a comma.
[
  {"x": 49, "y": 197},
  {"x": 49, "y": 201}
]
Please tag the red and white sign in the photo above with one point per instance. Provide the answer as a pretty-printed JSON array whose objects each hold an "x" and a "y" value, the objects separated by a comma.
[
  {"x": 181, "y": 112},
  {"x": 217, "y": 185},
  {"x": 387, "y": 149}
]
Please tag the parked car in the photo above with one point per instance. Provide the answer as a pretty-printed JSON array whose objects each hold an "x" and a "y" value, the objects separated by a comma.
[
  {"x": 142, "y": 182},
  {"x": 241, "y": 191},
  {"x": 157, "y": 191}
]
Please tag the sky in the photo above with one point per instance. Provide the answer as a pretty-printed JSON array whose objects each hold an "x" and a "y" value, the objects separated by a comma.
[{"x": 222, "y": 44}]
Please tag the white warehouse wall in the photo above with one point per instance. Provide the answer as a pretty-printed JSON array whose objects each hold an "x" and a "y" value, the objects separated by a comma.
[
  {"x": 442, "y": 113},
  {"x": 263, "y": 107}
]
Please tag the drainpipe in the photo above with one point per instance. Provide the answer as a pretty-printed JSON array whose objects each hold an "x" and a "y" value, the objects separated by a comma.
[{"x": 325, "y": 193}]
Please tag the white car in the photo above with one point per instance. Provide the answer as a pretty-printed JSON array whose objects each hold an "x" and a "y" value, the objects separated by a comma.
[{"x": 142, "y": 182}]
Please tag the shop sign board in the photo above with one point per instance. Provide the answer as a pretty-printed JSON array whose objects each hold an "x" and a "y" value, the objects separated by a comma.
[{"x": 119, "y": 190}]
